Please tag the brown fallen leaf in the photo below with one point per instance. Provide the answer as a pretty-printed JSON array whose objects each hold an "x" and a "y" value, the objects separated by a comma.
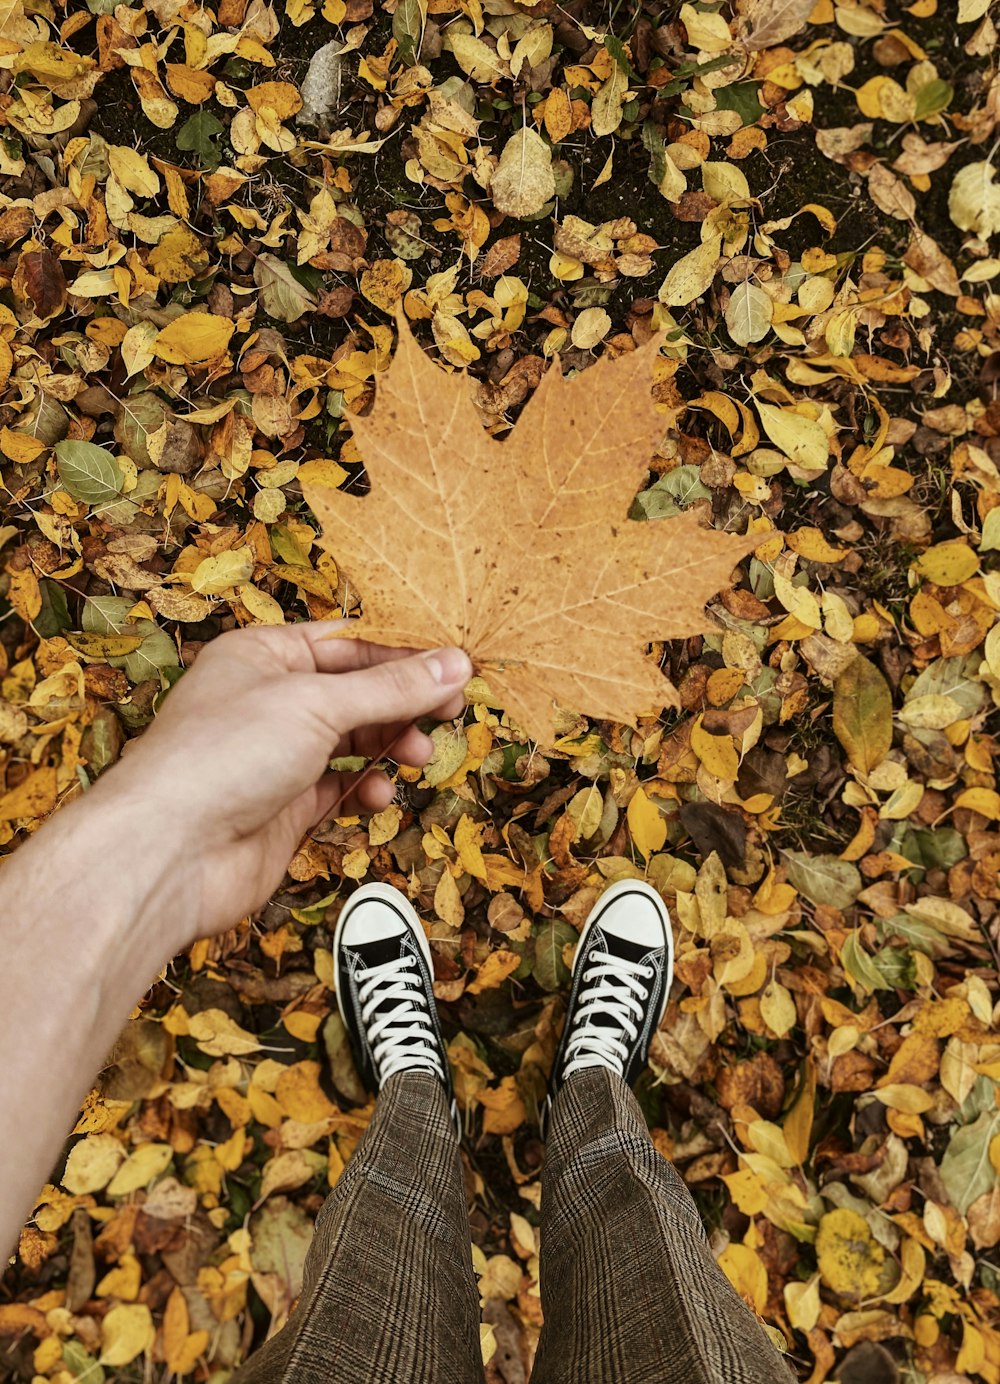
[{"x": 522, "y": 551}]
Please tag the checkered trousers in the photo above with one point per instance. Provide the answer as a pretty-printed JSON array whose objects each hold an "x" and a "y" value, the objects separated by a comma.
[{"x": 630, "y": 1291}]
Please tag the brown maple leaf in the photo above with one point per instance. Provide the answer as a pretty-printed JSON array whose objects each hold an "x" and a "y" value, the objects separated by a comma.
[{"x": 521, "y": 551}]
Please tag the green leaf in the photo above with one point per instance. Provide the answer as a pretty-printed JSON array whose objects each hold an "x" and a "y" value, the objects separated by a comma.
[
  {"x": 108, "y": 615},
  {"x": 196, "y": 135},
  {"x": 550, "y": 970},
  {"x": 952, "y": 677},
  {"x": 54, "y": 615},
  {"x": 89, "y": 473},
  {"x": 966, "y": 1170},
  {"x": 741, "y": 97},
  {"x": 83, "y": 1366},
  {"x": 281, "y": 291},
  {"x": 933, "y": 98},
  {"x": 824, "y": 878},
  {"x": 407, "y": 29},
  {"x": 287, "y": 547},
  {"x": 673, "y": 492},
  {"x": 991, "y": 531},
  {"x": 450, "y": 750},
  {"x": 860, "y": 966},
  {"x": 862, "y": 714},
  {"x": 617, "y": 50}
]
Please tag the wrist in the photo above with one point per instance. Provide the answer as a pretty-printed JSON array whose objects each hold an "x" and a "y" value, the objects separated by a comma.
[{"x": 103, "y": 866}]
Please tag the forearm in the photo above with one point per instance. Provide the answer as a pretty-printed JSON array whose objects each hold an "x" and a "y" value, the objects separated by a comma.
[{"x": 83, "y": 935}]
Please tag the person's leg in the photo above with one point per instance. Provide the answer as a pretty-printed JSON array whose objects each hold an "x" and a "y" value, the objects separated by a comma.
[
  {"x": 389, "y": 1296},
  {"x": 630, "y": 1291}
]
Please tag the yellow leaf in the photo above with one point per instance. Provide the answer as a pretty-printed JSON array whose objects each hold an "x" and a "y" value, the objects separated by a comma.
[
  {"x": 802, "y": 1303},
  {"x": 92, "y": 1163},
  {"x": 747, "y": 1191},
  {"x": 123, "y": 1281},
  {"x": 708, "y": 32},
  {"x": 448, "y": 901},
  {"x": 281, "y": 97},
  {"x": 133, "y": 171},
  {"x": 126, "y": 1332},
  {"x": 813, "y": 545},
  {"x": 20, "y": 447},
  {"x": 691, "y": 275},
  {"x": 322, "y": 471},
  {"x": 220, "y": 1036},
  {"x": 881, "y": 98},
  {"x": 147, "y": 1162},
  {"x": 948, "y": 564},
  {"x": 215, "y": 575},
  {"x": 34, "y": 797},
  {"x": 985, "y": 801},
  {"x": 745, "y": 1270},
  {"x": 193, "y": 338},
  {"x": 264, "y": 608},
  {"x": 777, "y": 1009},
  {"x": 355, "y": 863},
  {"x": 468, "y": 835},
  {"x": 862, "y": 714},
  {"x": 178, "y": 256},
  {"x": 504, "y": 1108},
  {"x": 189, "y": 84},
  {"x": 914, "y": 1262},
  {"x": 802, "y": 439},
  {"x": 303, "y": 1025},
  {"x": 383, "y": 284},
  {"x": 647, "y": 825},
  {"x": 24, "y": 593},
  {"x": 716, "y": 752},
  {"x": 299, "y": 1094},
  {"x": 849, "y": 1257},
  {"x": 972, "y": 1357},
  {"x": 103, "y": 646},
  {"x": 911, "y": 1100},
  {"x": 156, "y": 104},
  {"x": 181, "y": 1346},
  {"x": 494, "y": 971}
]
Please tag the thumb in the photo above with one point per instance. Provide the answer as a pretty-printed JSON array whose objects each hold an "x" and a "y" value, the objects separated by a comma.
[{"x": 399, "y": 690}]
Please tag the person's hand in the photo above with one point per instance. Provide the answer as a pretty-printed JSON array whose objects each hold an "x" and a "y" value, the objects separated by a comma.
[{"x": 234, "y": 770}]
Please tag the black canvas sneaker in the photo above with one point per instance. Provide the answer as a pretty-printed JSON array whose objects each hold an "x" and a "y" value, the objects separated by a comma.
[
  {"x": 621, "y": 979},
  {"x": 385, "y": 988}
]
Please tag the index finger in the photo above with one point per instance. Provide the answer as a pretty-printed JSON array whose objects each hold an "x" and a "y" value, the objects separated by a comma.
[{"x": 326, "y": 646}]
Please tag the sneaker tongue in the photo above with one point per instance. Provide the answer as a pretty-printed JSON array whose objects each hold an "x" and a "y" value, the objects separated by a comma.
[
  {"x": 381, "y": 950},
  {"x": 625, "y": 950}
]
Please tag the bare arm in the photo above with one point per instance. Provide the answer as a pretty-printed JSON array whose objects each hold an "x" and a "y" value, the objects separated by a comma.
[{"x": 193, "y": 830}]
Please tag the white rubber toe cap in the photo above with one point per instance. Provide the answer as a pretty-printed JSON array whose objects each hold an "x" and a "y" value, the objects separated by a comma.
[{"x": 634, "y": 911}]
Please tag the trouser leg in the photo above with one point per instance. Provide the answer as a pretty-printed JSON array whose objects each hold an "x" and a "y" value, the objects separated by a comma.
[
  {"x": 630, "y": 1291},
  {"x": 388, "y": 1296}
]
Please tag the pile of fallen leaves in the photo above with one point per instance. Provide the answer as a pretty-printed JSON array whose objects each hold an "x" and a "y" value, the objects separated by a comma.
[{"x": 209, "y": 221}]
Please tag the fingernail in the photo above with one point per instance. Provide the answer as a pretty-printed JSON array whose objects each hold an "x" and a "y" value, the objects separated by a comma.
[{"x": 450, "y": 666}]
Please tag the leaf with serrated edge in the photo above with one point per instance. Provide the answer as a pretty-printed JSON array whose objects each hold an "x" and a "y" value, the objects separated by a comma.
[{"x": 522, "y": 551}]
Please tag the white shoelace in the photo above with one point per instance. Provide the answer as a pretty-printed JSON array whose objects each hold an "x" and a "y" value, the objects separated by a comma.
[
  {"x": 618, "y": 996},
  {"x": 402, "y": 1038}
]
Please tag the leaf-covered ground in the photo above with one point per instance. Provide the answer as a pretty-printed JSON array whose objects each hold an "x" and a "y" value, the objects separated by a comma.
[{"x": 206, "y": 229}]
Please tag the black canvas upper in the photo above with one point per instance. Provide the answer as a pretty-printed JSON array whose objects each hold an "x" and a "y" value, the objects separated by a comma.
[{"x": 352, "y": 959}]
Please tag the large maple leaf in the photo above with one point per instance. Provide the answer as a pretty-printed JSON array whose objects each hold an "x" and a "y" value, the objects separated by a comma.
[{"x": 521, "y": 551}]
